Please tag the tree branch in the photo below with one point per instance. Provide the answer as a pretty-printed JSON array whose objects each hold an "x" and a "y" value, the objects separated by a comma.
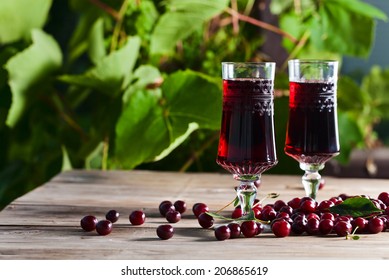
[
  {"x": 261, "y": 24},
  {"x": 118, "y": 26},
  {"x": 106, "y": 8},
  {"x": 197, "y": 153}
]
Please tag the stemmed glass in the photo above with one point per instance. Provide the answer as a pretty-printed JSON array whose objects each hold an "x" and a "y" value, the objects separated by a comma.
[
  {"x": 312, "y": 131},
  {"x": 247, "y": 144}
]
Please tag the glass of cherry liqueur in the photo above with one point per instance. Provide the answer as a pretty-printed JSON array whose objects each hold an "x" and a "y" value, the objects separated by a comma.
[
  {"x": 312, "y": 131},
  {"x": 246, "y": 144}
]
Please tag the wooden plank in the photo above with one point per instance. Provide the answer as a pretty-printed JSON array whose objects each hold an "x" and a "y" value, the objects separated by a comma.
[{"x": 44, "y": 224}]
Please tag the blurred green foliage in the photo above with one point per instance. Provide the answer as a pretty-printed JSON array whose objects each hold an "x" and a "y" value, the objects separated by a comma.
[{"x": 123, "y": 84}]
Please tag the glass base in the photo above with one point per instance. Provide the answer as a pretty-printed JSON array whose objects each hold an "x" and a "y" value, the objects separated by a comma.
[
  {"x": 247, "y": 192},
  {"x": 311, "y": 179}
]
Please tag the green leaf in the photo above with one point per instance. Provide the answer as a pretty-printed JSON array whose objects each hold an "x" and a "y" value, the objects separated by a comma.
[
  {"x": 5, "y": 91},
  {"x": 350, "y": 136},
  {"x": 143, "y": 76},
  {"x": 362, "y": 8},
  {"x": 350, "y": 96},
  {"x": 178, "y": 141},
  {"x": 19, "y": 17},
  {"x": 66, "y": 163},
  {"x": 152, "y": 125},
  {"x": 28, "y": 68},
  {"x": 95, "y": 158},
  {"x": 236, "y": 201},
  {"x": 89, "y": 14},
  {"x": 356, "y": 207},
  {"x": 182, "y": 18},
  {"x": 113, "y": 73},
  {"x": 219, "y": 216},
  {"x": 345, "y": 27},
  {"x": 193, "y": 97},
  {"x": 301, "y": 7},
  {"x": 279, "y": 6},
  {"x": 292, "y": 24},
  {"x": 376, "y": 85},
  {"x": 141, "y": 17},
  {"x": 141, "y": 132},
  {"x": 96, "y": 44}
]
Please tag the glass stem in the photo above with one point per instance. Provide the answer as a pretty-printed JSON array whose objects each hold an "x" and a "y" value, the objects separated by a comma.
[
  {"x": 311, "y": 179},
  {"x": 246, "y": 192}
]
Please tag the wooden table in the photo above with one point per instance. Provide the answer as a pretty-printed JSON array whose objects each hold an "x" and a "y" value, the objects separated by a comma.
[{"x": 45, "y": 223}]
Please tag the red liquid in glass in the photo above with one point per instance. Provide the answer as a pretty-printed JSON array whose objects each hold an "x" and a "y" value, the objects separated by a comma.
[
  {"x": 246, "y": 144},
  {"x": 312, "y": 133}
]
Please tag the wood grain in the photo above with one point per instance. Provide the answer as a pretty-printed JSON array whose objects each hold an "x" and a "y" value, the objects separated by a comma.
[{"x": 44, "y": 224}]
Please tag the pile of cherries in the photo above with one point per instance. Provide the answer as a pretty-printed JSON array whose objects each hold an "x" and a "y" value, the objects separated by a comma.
[
  {"x": 294, "y": 217},
  {"x": 301, "y": 216}
]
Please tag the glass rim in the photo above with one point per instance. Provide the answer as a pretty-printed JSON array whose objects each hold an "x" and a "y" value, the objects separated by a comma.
[
  {"x": 313, "y": 61},
  {"x": 248, "y": 63}
]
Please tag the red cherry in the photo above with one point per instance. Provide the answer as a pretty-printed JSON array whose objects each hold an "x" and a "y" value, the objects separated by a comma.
[
  {"x": 281, "y": 228},
  {"x": 205, "y": 220},
  {"x": 249, "y": 228},
  {"x": 104, "y": 227},
  {"x": 165, "y": 232},
  {"x": 235, "y": 230},
  {"x": 180, "y": 206},
  {"x": 325, "y": 205},
  {"x": 137, "y": 217},
  {"x": 199, "y": 208},
  {"x": 375, "y": 225},
  {"x": 383, "y": 197},
  {"x": 322, "y": 184},
  {"x": 343, "y": 228},
  {"x": 237, "y": 213},
  {"x": 312, "y": 226},
  {"x": 222, "y": 232},
  {"x": 326, "y": 226},
  {"x": 308, "y": 206},
  {"x": 165, "y": 206},
  {"x": 279, "y": 204},
  {"x": 88, "y": 223},
  {"x": 361, "y": 223},
  {"x": 257, "y": 213},
  {"x": 173, "y": 216},
  {"x": 294, "y": 203}
]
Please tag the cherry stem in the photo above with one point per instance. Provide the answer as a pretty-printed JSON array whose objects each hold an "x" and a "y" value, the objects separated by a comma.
[
  {"x": 269, "y": 195},
  {"x": 352, "y": 235},
  {"x": 224, "y": 207}
]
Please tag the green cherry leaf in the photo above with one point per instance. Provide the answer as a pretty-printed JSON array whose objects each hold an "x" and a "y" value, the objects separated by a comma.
[
  {"x": 248, "y": 217},
  {"x": 180, "y": 21},
  {"x": 218, "y": 216},
  {"x": 19, "y": 17},
  {"x": 30, "y": 70},
  {"x": 113, "y": 73},
  {"x": 155, "y": 121},
  {"x": 356, "y": 207},
  {"x": 236, "y": 201}
]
